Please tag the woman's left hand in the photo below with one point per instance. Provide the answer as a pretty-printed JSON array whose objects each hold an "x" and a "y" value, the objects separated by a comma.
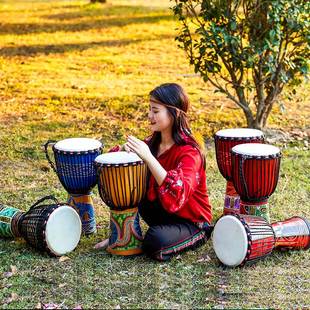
[{"x": 139, "y": 147}]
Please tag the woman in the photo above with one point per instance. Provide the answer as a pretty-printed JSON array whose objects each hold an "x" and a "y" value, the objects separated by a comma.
[{"x": 176, "y": 206}]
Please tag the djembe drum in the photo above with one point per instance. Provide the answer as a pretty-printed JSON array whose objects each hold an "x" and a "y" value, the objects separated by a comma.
[
  {"x": 9, "y": 218},
  {"x": 224, "y": 140},
  {"x": 55, "y": 228},
  {"x": 122, "y": 185},
  {"x": 74, "y": 166},
  {"x": 243, "y": 239},
  {"x": 239, "y": 239},
  {"x": 293, "y": 233},
  {"x": 255, "y": 174}
]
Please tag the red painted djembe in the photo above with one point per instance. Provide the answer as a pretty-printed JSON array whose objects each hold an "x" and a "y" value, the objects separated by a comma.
[
  {"x": 255, "y": 174},
  {"x": 224, "y": 141},
  {"x": 242, "y": 239},
  {"x": 292, "y": 233},
  {"x": 239, "y": 239}
]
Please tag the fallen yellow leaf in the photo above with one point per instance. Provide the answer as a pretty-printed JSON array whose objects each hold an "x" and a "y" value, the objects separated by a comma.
[
  {"x": 13, "y": 269},
  {"x": 64, "y": 258}
]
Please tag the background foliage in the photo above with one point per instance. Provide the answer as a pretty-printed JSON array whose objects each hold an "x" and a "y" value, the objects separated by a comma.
[{"x": 248, "y": 50}]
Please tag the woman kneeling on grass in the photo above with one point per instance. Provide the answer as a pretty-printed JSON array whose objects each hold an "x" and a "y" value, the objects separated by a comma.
[{"x": 176, "y": 206}]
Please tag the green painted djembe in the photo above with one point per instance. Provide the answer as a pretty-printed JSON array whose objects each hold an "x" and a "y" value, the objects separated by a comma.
[
  {"x": 9, "y": 218},
  {"x": 122, "y": 185}
]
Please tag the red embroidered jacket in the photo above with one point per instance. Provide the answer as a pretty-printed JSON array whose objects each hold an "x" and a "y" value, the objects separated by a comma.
[{"x": 184, "y": 190}]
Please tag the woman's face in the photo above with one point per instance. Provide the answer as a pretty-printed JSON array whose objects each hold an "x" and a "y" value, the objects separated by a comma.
[{"x": 159, "y": 117}]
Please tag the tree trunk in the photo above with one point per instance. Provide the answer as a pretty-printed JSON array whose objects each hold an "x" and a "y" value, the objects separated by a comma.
[
  {"x": 259, "y": 123},
  {"x": 249, "y": 118}
]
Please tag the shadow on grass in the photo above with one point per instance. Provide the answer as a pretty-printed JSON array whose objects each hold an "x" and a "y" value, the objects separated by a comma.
[
  {"x": 47, "y": 9},
  {"x": 32, "y": 50},
  {"x": 29, "y": 28},
  {"x": 89, "y": 10},
  {"x": 26, "y": 143}
]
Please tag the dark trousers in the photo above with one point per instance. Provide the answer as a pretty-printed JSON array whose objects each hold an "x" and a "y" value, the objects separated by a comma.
[{"x": 168, "y": 234}]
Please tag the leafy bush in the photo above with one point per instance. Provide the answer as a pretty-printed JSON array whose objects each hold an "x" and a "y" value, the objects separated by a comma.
[{"x": 249, "y": 50}]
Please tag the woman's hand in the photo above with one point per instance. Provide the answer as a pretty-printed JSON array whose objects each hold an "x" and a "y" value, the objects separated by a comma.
[
  {"x": 133, "y": 144},
  {"x": 142, "y": 150}
]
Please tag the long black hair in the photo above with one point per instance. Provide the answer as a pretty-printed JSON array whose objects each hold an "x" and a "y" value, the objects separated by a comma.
[{"x": 176, "y": 100}]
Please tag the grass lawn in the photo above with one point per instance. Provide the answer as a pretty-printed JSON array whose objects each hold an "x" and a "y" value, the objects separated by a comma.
[{"x": 68, "y": 68}]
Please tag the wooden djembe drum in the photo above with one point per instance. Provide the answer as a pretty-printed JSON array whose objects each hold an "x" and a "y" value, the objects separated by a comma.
[
  {"x": 242, "y": 239},
  {"x": 51, "y": 227},
  {"x": 122, "y": 185},
  {"x": 255, "y": 174},
  {"x": 224, "y": 141},
  {"x": 74, "y": 166}
]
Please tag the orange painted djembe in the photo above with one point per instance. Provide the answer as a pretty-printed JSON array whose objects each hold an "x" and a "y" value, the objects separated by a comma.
[{"x": 122, "y": 185}]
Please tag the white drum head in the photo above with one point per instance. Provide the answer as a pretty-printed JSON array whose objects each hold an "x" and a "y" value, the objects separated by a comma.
[
  {"x": 118, "y": 158},
  {"x": 239, "y": 133},
  {"x": 63, "y": 230},
  {"x": 230, "y": 241},
  {"x": 256, "y": 149},
  {"x": 77, "y": 145}
]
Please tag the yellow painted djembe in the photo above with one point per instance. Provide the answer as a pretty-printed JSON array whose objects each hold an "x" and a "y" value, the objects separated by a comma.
[{"x": 122, "y": 185}]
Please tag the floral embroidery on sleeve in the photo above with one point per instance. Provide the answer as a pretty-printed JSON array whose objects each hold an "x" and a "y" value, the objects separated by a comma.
[
  {"x": 198, "y": 178},
  {"x": 180, "y": 183},
  {"x": 172, "y": 190}
]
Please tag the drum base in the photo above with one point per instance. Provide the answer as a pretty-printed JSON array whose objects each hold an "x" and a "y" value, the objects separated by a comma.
[
  {"x": 257, "y": 209},
  {"x": 232, "y": 200},
  {"x": 124, "y": 252},
  {"x": 126, "y": 236},
  {"x": 83, "y": 204},
  {"x": 293, "y": 233},
  {"x": 9, "y": 218}
]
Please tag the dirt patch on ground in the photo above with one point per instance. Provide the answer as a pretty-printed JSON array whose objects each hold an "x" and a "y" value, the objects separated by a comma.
[
  {"x": 276, "y": 135},
  {"x": 273, "y": 136}
]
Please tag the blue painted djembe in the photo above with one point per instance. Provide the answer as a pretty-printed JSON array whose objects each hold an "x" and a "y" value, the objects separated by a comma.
[{"x": 74, "y": 166}]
